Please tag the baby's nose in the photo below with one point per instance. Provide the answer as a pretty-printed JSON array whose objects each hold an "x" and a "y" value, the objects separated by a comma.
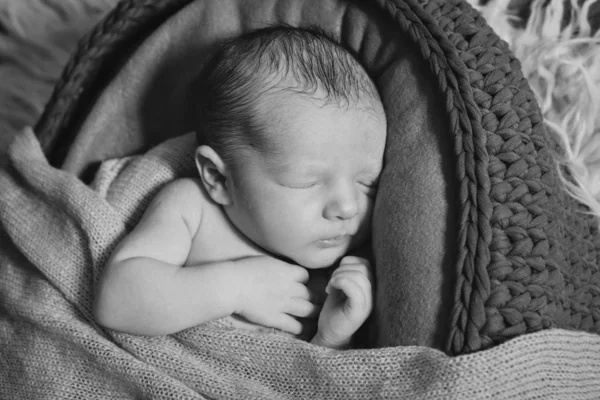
[{"x": 343, "y": 203}]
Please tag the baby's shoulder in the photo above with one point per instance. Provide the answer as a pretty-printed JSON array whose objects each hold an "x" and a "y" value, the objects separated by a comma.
[
  {"x": 183, "y": 196},
  {"x": 183, "y": 189}
]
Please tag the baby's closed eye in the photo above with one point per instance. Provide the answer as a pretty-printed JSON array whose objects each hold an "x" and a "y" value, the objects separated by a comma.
[
  {"x": 369, "y": 187},
  {"x": 302, "y": 185}
]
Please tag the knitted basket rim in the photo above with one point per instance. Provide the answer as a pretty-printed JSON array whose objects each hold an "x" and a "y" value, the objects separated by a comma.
[{"x": 96, "y": 60}]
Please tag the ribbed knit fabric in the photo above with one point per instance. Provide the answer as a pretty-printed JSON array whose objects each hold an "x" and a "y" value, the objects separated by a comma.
[{"x": 55, "y": 235}]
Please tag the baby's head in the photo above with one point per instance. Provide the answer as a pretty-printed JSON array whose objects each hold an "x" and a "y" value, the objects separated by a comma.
[{"x": 292, "y": 133}]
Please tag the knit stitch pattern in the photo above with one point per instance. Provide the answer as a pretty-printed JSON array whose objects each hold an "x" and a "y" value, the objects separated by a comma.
[
  {"x": 540, "y": 268},
  {"x": 527, "y": 256}
]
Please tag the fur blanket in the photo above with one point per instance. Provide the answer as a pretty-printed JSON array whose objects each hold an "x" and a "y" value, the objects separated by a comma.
[
  {"x": 57, "y": 234},
  {"x": 558, "y": 44}
]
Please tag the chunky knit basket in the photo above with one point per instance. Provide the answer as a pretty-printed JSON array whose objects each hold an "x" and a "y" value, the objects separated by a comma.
[{"x": 524, "y": 252}]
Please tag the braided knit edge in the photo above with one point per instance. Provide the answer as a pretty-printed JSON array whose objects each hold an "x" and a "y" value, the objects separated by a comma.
[
  {"x": 472, "y": 285},
  {"x": 99, "y": 55}
]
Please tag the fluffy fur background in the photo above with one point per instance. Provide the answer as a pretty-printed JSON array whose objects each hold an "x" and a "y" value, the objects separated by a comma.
[
  {"x": 559, "y": 51},
  {"x": 558, "y": 44}
]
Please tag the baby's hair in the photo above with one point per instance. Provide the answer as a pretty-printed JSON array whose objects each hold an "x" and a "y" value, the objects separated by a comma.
[{"x": 267, "y": 61}]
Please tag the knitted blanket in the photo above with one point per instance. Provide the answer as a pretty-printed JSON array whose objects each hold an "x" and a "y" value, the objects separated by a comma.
[{"x": 56, "y": 233}]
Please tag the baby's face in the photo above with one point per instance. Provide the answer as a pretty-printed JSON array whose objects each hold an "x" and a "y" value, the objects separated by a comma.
[{"x": 311, "y": 199}]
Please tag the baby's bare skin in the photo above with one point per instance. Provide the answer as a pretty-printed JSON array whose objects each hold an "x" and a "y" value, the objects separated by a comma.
[
  {"x": 215, "y": 247},
  {"x": 218, "y": 240},
  {"x": 184, "y": 233}
]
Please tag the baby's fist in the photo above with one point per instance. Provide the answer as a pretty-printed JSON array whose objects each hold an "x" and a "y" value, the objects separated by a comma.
[{"x": 349, "y": 302}]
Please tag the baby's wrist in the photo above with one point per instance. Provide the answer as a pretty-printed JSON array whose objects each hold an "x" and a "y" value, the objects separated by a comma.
[
  {"x": 332, "y": 343},
  {"x": 234, "y": 291}
]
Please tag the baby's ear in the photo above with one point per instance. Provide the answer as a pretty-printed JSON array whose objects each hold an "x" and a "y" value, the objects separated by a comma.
[{"x": 213, "y": 172}]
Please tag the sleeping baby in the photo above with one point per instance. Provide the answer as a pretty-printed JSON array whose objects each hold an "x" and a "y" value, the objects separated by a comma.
[{"x": 292, "y": 134}]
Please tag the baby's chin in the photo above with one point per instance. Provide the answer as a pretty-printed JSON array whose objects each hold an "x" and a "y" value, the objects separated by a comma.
[
  {"x": 319, "y": 261},
  {"x": 317, "y": 258}
]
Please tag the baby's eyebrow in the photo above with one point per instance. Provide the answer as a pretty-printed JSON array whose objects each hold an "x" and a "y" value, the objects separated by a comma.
[
  {"x": 299, "y": 170},
  {"x": 287, "y": 166},
  {"x": 368, "y": 173}
]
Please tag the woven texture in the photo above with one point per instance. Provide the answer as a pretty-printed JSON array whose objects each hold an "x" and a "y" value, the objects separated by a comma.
[
  {"x": 56, "y": 235},
  {"x": 535, "y": 263},
  {"x": 527, "y": 253}
]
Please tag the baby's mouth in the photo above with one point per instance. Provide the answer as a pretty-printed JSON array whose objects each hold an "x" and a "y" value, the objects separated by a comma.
[{"x": 334, "y": 241}]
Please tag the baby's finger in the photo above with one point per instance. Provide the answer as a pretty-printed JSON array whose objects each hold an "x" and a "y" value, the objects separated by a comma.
[
  {"x": 350, "y": 260},
  {"x": 288, "y": 323},
  {"x": 300, "y": 291},
  {"x": 355, "y": 275},
  {"x": 299, "y": 274},
  {"x": 302, "y": 308},
  {"x": 357, "y": 297},
  {"x": 359, "y": 268}
]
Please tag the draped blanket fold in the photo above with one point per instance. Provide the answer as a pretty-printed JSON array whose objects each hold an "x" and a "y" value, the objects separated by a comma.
[{"x": 55, "y": 235}]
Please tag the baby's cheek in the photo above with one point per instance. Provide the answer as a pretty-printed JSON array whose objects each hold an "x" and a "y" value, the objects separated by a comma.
[{"x": 369, "y": 203}]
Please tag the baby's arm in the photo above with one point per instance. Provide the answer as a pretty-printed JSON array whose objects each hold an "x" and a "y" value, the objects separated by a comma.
[
  {"x": 144, "y": 289},
  {"x": 348, "y": 304}
]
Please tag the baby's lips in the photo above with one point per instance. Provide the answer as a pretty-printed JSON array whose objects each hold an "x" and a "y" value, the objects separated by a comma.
[{"x": 334, "y": 240}]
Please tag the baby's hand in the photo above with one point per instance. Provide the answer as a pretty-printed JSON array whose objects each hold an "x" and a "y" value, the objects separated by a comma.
[
  {"x": 273, "y": 292},
  {"x": 349, "y": 303}
]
